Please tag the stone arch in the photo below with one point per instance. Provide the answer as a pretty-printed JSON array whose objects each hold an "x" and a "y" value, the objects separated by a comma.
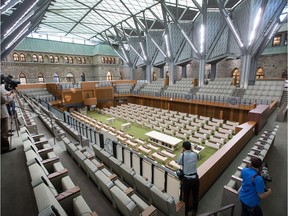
[
  {"x": 70, "y": 77},
  {"x": 22, "y": 78}
]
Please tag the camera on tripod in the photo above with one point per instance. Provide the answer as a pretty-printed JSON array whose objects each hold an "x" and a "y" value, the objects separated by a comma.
[
  {"x": 264, "y": 172},
  {"x": 10, "y": 84}
]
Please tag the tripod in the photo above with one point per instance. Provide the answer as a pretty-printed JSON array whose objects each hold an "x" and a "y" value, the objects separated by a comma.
[{"x": 13, "y": 115}]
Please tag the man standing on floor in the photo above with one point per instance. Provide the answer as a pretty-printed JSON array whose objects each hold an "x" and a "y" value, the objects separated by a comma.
[
  {"x": 190, "y": 184},
  {"x": 253, "y": 189}
]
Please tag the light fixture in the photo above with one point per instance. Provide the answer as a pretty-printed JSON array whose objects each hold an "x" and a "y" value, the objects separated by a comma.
[
  {"x": 202, "y": 38},
  {"x": 167, "y": 45},
  {"x": 273, "y": 31},
  {"x": 189, "y": 41},
  {"x": 159, "y": 48},
  {"x": 23, "y": 31},
  {"x": 125, "y": 56},
  {"x": 235, "y": 32},
  {"x": 143, "y": 51},
  {"x": 10, "y": 30},
  {"x": 256, "y": 22},
  {"x": 6, "y": 3}
]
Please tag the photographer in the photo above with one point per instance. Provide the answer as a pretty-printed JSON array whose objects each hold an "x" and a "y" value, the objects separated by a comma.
[
  {"x": 253, "y": 189},
  {"x": 5, "y": 99},
  {"x": 190, "y": 184}
]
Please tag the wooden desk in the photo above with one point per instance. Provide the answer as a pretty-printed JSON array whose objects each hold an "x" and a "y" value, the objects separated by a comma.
[
  {"x": 125, "y": 126},
  {"x": 163, "y": 140},
  {"x": 109, "y": 120}
]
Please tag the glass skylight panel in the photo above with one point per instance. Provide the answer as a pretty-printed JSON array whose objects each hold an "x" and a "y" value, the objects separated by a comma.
[
  {"x": 73, "y": 14},
  {"x": 52, "y": 17},
  {"x": 97, "y": 27},
  {"x": 63, "y": 26},
  {"x": 66, "y": 4},
  {"x": 46, "y": 28},
  {"x": 83, "y": 29},
  {"x": 157, "y": 10},
  {"x": 94, "y": 18},
  {"x": 90, "y": 3}
]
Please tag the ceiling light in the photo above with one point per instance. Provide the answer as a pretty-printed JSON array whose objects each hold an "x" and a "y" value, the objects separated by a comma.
[
  {"x": 256, "y": 22},
  {"x": 167, "y": 45}
]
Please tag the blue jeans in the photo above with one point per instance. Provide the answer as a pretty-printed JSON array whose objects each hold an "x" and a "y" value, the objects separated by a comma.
[{"x": 251, "y": 211}]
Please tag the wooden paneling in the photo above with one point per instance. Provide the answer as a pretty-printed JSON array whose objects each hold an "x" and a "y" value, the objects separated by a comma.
[
  {"x": 210, "y": 109},
  {"x": 72, "y": 97},
  {"x": 212, "y": 168},
  {"x": 260, "y": 115},
  {"x": 104, "y": 93},
  {"x": 30, "y": 86}
]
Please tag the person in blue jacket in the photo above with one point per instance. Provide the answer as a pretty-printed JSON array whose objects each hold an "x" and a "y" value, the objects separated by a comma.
[{"x": 253, "y": 189}]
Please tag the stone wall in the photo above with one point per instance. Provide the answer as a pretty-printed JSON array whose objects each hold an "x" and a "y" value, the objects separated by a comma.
[
  {"x": 95, "y": 70},
  {"x": 273, "y": 65}
]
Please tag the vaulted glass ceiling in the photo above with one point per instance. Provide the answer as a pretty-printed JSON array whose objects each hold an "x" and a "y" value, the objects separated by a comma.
[{"x": 85, "y": 19}]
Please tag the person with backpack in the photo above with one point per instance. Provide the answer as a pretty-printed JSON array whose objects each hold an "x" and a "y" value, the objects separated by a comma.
[{"x": 253, "y": 189}]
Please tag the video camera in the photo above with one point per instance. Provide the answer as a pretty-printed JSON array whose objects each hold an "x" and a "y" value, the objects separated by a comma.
[
  {"x": 264, "y": 172},
  {"x": 10, "y": 84}
]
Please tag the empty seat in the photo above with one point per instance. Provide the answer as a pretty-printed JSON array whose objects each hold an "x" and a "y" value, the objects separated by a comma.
[
  {"x": 166, "y": 203},
  {"x": 127, "y": 174},
  {"x": 143, "y": 186},
  {"x": 105, "y": 184}
]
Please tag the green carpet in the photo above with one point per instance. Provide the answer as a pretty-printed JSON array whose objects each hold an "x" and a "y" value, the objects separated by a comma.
[{"x": 139, "y": 131}]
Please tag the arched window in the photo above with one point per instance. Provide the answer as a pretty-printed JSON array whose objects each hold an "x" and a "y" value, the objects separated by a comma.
[
  {"x": 236, "y": 76},
  {"x": 22, "y": 78},
  {"x": 51, "y": 59},
  {"x": 56, "y": 59},
  {"x": 79, "y": 60},
  {"x": 70, "y": 77},
  {"x": 103, "y": 60},
  {"x": 22, "y": 57},
  {"x": 56, "y": 78},
  {"x": 40, "y": 58},
  {"x": 66, "y": 59},
  {"x": 40, "y": 78},
  {"x": 109, "y": 76},
  {"x": 70, "y": 60},
  {"x": 110, "y": 60},
  {"x": 83, "y": 77},
  {"x": 15, "y": 57},
  {"x": 35, "y": 58},
  {"x": 114, "y": 61},
  {"x": 83, "y": 61},
  {"x": 276, "y": 40}
]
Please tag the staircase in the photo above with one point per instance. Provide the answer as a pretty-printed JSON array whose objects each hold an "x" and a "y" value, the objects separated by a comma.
[{"x": 283, "y": 98}]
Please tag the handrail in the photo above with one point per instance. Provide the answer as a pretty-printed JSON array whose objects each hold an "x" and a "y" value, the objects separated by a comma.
[{"x": 224, "y": 208}]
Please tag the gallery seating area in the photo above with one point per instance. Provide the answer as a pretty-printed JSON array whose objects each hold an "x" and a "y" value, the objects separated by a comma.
[
  {"x": 154, "y": 88},
  {"x": 180, "y": 89},
  {"x": 54, "y": 191},
  {"x": 263, "y": 92},
  {"x": 260, "y": 150}
]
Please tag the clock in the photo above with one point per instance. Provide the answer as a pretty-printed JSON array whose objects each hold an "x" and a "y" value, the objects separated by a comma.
[{"x": 109, "y": 146}]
